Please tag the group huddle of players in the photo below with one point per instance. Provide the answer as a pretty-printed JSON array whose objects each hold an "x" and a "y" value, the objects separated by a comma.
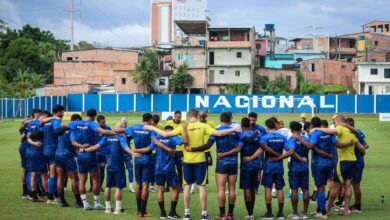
[{"x": 178, "y": 156}]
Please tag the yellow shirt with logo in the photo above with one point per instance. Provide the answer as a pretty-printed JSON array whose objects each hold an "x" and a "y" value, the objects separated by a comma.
[
  {"x": 196, "y": 136},
  {"x": 176, "y": 125},
  {"x": 344, "y": 136},
  {"x": 206, "y": 137}
]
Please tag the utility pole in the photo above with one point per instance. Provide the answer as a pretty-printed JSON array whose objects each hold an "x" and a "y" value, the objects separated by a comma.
[{"x": 71, "y": 25}]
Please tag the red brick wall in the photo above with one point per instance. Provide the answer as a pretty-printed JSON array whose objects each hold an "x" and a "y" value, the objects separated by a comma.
[
  {"x": 103, "y": 55},
  {"x": 273, "y": 73}
]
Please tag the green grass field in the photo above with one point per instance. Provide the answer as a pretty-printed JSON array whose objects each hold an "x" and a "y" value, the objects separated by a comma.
[{"x": 375, "y": 181}]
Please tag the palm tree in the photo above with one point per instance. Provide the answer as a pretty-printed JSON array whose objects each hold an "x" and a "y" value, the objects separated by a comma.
[{"x": 145, "y": 74}]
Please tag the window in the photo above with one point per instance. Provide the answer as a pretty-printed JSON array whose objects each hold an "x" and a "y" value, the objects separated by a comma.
[
  {"x": 239, "y": 54},
  {"x": 387, "y": 89},
  {"x": 123, "y": 81},
  {"x": 211, "y": 58},
  {"x": 387, "y": 73},
  {"x": 221, "y": 91},
  {"x": 374, "y": 71},
  {"x": 238, "y": 73},
  {"x": 288, "y": 78},
  {"x": 69, "y": 58},
  {"x": 222, "y": 72},
  {"x": 376, "y": 43},
  {"x": 161, "y": 82},
  {"x": 312, "y": 67},
  {"x": 258, "y": 46},
  {"x": 211, "y": 76},
  {"x": 343, "y": 66}
]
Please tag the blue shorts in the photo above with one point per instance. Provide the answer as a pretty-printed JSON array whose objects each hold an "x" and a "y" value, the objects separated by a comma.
[
  {"x": 249, "y": 179},
  {"x": 50, "y": 160},
  {"x": 67, "y": 163},
  {"x": 179, "y": 159},
  {"x": 102, "y": 159},
  {"x": 116, "y": 179},
  {"x": 195, "y": 173},
  {"x": 87, "y": 163},
  {"x": 344, "y": 171},
  {"x": 38, "y": 163},
  {"x": 128, "y": 161},
  {"x": 209, "y": 158},
  {"x": 299, "y": 179},
  {"x": 144, "y": 173},
  {"x": 322, "y": 174},
  {"x": 23, "y": 155},
  {"x": 230, "y": 170},
  {"x": 172, "y": 179},
  {"x": 358, "y": 172},
  {"x": 269, "y": 179}
]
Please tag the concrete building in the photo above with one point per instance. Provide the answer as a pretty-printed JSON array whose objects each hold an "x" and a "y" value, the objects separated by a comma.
[
  {"x": 85, "y": 71},
  {"x": 230, "y": 52},
  {"x": 281, "y": 44},
  {"x": 302, "y": 43},
  {"x": 324, "y": 71},
  {"x": 373, "y": 78},
  {"x": 337, "y": 48},
  {"x": 164, "y": 13},
  {"x": 261, "y": 51},
  {"x": 382, "y": 27}
]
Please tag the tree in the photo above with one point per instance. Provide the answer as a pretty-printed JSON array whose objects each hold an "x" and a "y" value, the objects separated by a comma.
[
  {"x": 145, "y": 74},
  {"x": 83, "y": 45},
  {"x": 237, "y": 89},
  {"x": 300, "y": 80},
  {"x": 278, "y": 86},
  {"x": 260, "y": 85},
  {"x": 181, "y": 80},
  {"x": 2, "y": 25},
  {"x": 307, "y": 88}
]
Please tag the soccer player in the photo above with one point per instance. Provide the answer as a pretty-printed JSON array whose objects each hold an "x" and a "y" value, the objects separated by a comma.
[
  {"x": 250, "y": 163},
  {"x": 156, "y": 123},
  {"x": 176, "y": 122},
  {"x": 359, "y": 167},
  {"x": 83, "y": 136},
  {"x": 23, "y": 130},
  {"x": 298, "y": 172},
  {"x": 144, "y": 169},
  {"x": 227, "y": 165},
  {"x": 128, "y": 159},
  {"x": 50, "y": 142},
  {"x": 165, "y": 172},
  {"x": 194, "y": 166},
  {"x": 273, "y": 144},
  {"x": 115, "y": 147},
  {"x": 209, "y": 158},
  {"x": 65, "y": 162},
  {"x": 102, "y": 152},
  {"x": 37, "y": 163},
  {"x": 345, "y": 163},
  {"x": 303, "y": 119}
]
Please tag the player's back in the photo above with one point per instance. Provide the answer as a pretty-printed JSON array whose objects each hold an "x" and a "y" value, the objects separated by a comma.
[
  {"x": 141, "y": 138},
  {"x": 301, "y": 150},
  {"x": 115, "y": 153},
  {"x": 98, "y": 137},
  {"x": 34, "y": 127},
  {"x": 165, "y": 163},
  {"x": 361, "y": 138},
  {"x": 64, "y": 147},
  {"x": 277, "y": 143},
  {"x": 225, "y": 144},
  {"x": 85, "y": 131},
  {"x": 326, "y": 143},
  {"x": 248, "y": 149},
  {"x": 260, "y": 129},
  {"x": 50, "y": 138}
]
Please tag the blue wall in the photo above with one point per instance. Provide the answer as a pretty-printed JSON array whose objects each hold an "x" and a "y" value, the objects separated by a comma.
[{"x": 364, "y": 104}]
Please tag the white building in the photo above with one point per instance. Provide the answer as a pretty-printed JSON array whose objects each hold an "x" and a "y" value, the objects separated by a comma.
[
  {"x": 164, "y": 13},
  {"x": 373, "y": 78}
]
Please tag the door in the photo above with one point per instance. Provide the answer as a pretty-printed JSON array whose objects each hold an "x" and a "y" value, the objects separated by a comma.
[
  {"x": 370, "y": 90},
  {"x": 211, "y": 76}
]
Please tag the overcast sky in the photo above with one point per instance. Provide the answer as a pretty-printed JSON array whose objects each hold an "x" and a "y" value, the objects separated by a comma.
[{"x": 125, "y": 23}]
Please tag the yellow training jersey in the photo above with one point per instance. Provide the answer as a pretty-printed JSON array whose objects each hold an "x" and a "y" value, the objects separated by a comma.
[
  {"x": 206, "y": 137},
  {"x": 175, "y": 125},
  {"x": 160, "y": 126},
  {"x": 196, "y": 136},
  {"x": 344, "y": 136}
]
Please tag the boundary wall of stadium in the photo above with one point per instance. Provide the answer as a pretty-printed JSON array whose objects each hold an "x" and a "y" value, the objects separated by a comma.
[{"x": 112, "y": 103}]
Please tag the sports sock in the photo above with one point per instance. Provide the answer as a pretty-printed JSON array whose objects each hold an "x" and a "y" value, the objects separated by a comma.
[
  {"x": 204, "y": 212},
  {"x": 62, "y": 197},
  {"x": 248, "y": 206},
  {"x": 222, "y": 210},
  {"x": 84, "y": 199},
  {"x": 138, "y": 205},
  {"x": 52, "y": 185},
  {"x": 118, "y": 205},
  {"x": 187, "y": 211},
  {"x": 162, "y": 208},
  {"x": 358, "y": 206},
  {"x": 78, "y": 199},
  {"x": 269, "y": 208},
  {"x": 321, "y": 201},
  {"x": 231, "y": 208},
  {"x": 108, "y": 205},
  {"x": 34, "y": 194},
  {"x": 96, "y": 200},
  {"x": 144, "y": 203},
  {"x": 28, "y": 181},
  {"x": 24, "y": 188},
  {"x": 281, "y": 206},
  {"x": 173, "y": 207}
]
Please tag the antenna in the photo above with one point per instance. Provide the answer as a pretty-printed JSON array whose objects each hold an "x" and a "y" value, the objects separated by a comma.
[
  {"x": 72, "y": 11},
  {"x": 314, "y": 29}
]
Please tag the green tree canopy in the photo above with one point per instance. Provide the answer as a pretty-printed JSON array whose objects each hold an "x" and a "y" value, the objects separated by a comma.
[
  {"x": 146, "y": 73},
  {"x": 181, "y": 80}
]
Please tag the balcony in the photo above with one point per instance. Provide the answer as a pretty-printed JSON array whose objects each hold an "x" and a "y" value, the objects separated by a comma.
[
  {"x": 229, "y": 44},
  {"x": 349, "y": 51}
]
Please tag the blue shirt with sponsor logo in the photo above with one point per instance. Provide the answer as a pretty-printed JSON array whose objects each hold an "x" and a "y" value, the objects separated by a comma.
[
  {"x": 248, "y": 150},
  {"x": 33, "y": 127},
  {"x": 278, "y": 143},
  {"x": 361, "y": 137},
  {"x": 50, "y": 140},
  {"x": 142, "y": 139},
  {"x": 115, "y": 146},
  {"x": 225, "y": 144},
  {"x": 98, "y": 137},
  {"x": 302, "y": 151},
  {"x": 259, "y": 128},
  {"x": 165, "y": 163},
  {"x": 84, "y": 133},
  {"x": 326, "y": 143},
  {"x": 64, "y": 148}
]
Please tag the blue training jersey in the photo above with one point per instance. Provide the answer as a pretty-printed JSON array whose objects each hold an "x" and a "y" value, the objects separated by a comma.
[
  {"x": 50, "y": 140},
  {"x": 64, "y": 147},
  {"x": 165, "y": 163},
  {"x": 259, "y": 128},
  {"x": 225, "y": 144},
  {"x": 326, "y": 143},
  {"x": 115, "y": 146},
  {"x": 301, "y": 150},
  {"x": 361, "y": 137},
  {"x": 33, "y": 127},
  {"x": 142, "y": 139},
  {"x": 248, "y": 150},
  {"x": 84, "y": 133},
  {"x": 278, "y": 143},
  {"x": 98, "y": 137}
]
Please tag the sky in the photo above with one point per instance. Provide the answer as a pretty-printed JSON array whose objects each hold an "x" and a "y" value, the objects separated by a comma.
[{"x": 126, "y": 23}]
